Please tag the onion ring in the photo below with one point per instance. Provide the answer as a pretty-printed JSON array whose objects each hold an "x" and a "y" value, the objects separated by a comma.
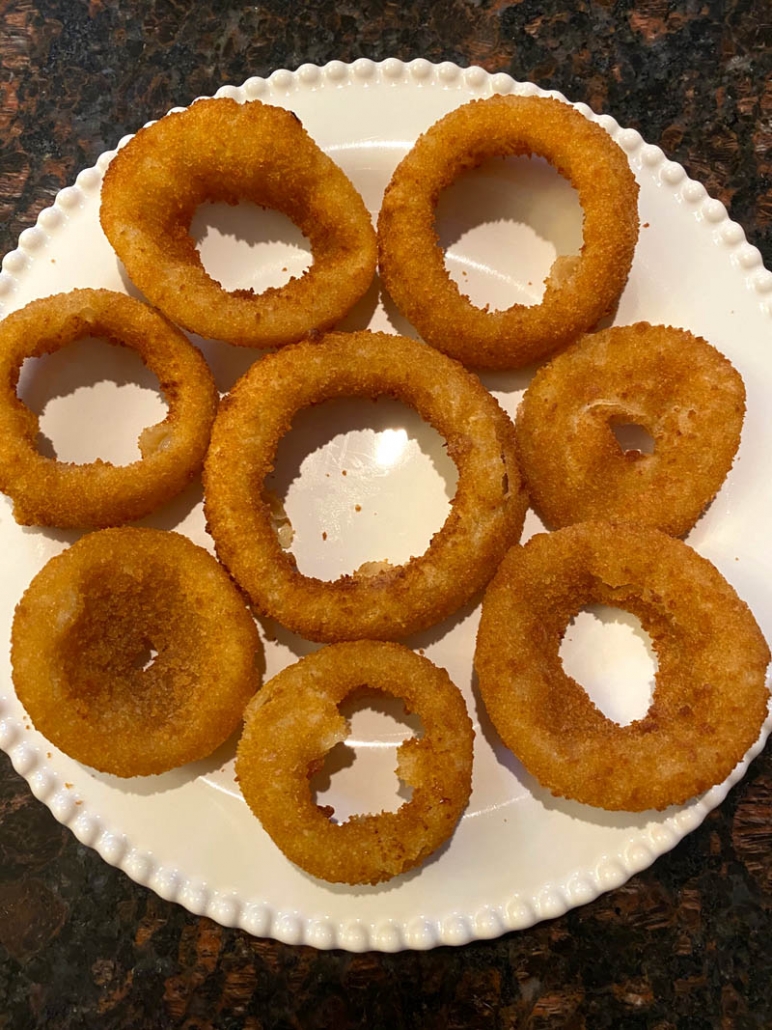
[
  {"x": 222, "y": 151},
  {"x": 679, "y": 388},
  {"x": 577, "y": 294},
  {"x": 486, "y": 514},
  {"x": 710, "y": 697},
  {"x": 88, "y": 621},
  {"x": 294, "y": 721},
  {"x": 47, "y": 492}
]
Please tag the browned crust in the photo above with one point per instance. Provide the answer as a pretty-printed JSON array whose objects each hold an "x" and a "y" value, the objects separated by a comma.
[
  {"x": 96, "y": 494},
  {"x": 686, "y": 394},
  {"x": 222, "y": 151},
  {"x": 294, "y": 721},
  {"x": 85, "y": 625},
  {"x": 412, "y": 263},
  {"x": 710, "y": 698},
  {"x": 486, "y": 515}
]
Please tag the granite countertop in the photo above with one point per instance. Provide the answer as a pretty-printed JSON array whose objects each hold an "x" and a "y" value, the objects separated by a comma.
[{"x": 683, "y": 944}]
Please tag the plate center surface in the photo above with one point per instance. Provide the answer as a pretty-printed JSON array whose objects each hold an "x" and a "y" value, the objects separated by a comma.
[
  {"x": 503, "y": 224},
  {"x": 608, "y": 652},
  {"x": 94, "y": 399},
  {"x": 361, "y": 481},
  {"x": 244, "y": 246},
  {"x": 359, "y": 776}
]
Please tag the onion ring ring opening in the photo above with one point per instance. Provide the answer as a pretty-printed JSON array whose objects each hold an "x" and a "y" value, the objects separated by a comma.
[
  {"x": 578, "y": 292},
  {"x": 710, "y": 697},
  {"x": 222, "y": 151},
  {"x": 94, "y": 614},
  {"x": 486, "y": 514},
  {"x": 294, "y": 721},
  {"x": 96, "y": 494},
  {"x": 685, "y": 393}
]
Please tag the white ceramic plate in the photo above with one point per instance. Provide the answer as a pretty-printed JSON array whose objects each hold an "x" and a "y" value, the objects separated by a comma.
[{"x": 519, "y": 855}]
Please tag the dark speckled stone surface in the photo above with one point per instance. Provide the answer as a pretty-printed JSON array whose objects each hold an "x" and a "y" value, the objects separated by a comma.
[{"x": 684, "y": 944}]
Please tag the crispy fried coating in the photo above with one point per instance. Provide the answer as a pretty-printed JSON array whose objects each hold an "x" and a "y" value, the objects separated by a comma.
[
  {"x": 294, "y": 722},
  {"x": 221, "y": 151},
  {"x": 83, "y": 642},
  {"x": 710, "y": 697},
  {"x": 578, "y": 293},
  {"x": 486, "y": 514},
  {"x": 47, "y": 492},
  {"x": 687, "y": 395}
]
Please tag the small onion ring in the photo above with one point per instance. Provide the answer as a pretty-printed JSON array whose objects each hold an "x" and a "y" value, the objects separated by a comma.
[
  {"x": 87, "y": 622},
  {"x": 577, "y": 294},
  {"x": 222, "y": 151},
  {"x": 96, "y": 494},
  {"x": 685, "y": 393},
  {"x": 294, "y": 722},
  {"x": 486, "y": 514},
  {"x": 710, "y": 697}
]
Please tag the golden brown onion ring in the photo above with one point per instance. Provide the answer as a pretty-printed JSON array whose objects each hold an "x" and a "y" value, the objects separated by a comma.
[
  {"x": 47, "y": 492},
  {"x": 90, "y": 620},
  {"x": 710, "y": 698},
  {"x": 294, "y": 722},
  {"x": 412, "y": 263},
  {"x": 486, "y": 514},
  {"x": 222, "y": 151},
  {"x": 687, "y": 396}
]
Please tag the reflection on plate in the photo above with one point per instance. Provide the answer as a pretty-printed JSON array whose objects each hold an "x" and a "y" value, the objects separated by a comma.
[{"x": 368, "y": 482}]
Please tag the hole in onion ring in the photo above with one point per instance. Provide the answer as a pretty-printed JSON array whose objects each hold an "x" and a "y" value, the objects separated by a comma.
[
  {"x": 609, "y": 653},
  {"x": 361, "y": 482},
  {"x": 246, "y": 247},
  {"x": 502, "y": 226},
  {"x": 145, "y": 657},
  {"x": 359, "y": 776},
  {"x": 94, "y": 401},
  {"x": 634, "y": 440}
]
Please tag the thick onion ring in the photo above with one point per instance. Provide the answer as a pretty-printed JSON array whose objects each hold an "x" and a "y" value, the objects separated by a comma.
[
  {"x": 294, "y": 721},
  {"x": 47, "y": 492},
  {"x": 710, "y": 698},
  {"x": 87, "y": 622},
  {"x": 222, "y": 151},
  {"x": 486, "y": 514},
  {"x": 685, "y": 393},
  {"x": 412, "y": 264}
]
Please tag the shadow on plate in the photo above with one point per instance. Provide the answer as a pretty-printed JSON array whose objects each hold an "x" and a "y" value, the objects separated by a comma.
[{"x": 146, "y": 786}]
